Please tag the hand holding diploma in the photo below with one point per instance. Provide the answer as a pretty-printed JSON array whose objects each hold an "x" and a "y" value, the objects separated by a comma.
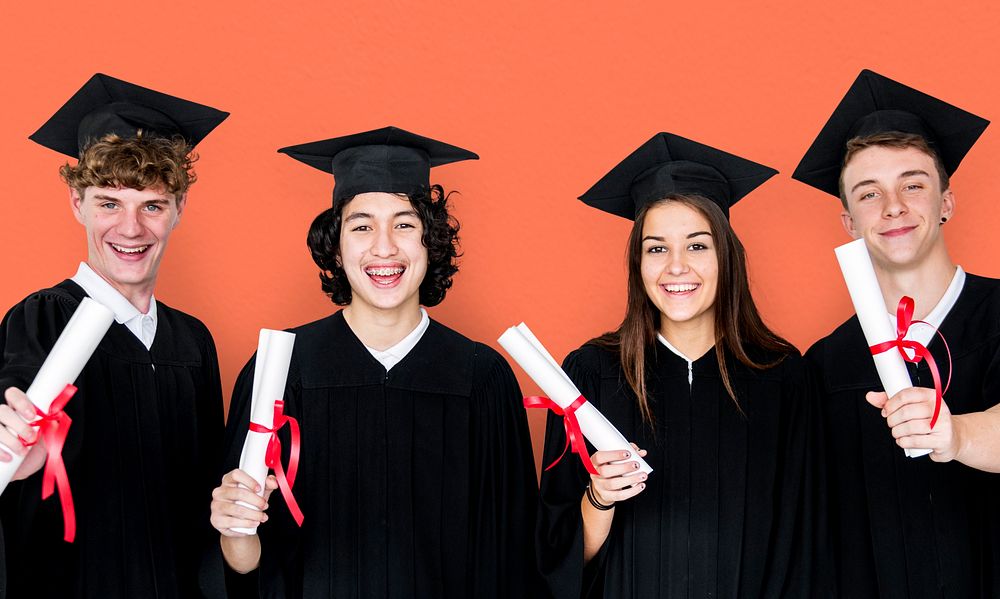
[
  {"x": 262, "y": 449},
  {"x": 15, "y": 416},
  {"x": 866, "y": 295},
  {"x": 239, "y": 503},
  {"x": 528, "y": 352},
  {"x": 908, "y": 414},
  {"x": 48, "y": 393},
  {"x": 618, "y": 476}
]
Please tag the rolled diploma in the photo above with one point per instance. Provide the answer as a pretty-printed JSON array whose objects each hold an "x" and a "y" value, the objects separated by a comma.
[
  {"x": 531, "y": 356},
  {"x": 63, "y": 365},
  {"x": 859, "y": 274},
  {"x": 274, "y": 352}
]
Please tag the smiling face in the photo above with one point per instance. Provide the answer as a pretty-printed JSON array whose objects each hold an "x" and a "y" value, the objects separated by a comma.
[
  {"x": 127, "y": 233},
  {"x": 680, "y": 267},
  {"x": 895, "y": 202},
  {"x": 382, "y": 252}
]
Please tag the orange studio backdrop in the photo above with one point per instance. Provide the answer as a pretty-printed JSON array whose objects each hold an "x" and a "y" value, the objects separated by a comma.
[{"x": 550, "y": 94}]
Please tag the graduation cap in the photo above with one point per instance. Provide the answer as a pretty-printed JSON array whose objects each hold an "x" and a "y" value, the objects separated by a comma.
[
  {"x": 107, "y": 105},
  {"x": 387, "y": 159},
  {"x": 669, "y": 164},
  {"x": 877, "y": 104}
]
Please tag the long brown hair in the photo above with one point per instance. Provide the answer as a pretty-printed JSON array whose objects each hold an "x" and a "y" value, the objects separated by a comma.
[{"x": 738, "y": 324}]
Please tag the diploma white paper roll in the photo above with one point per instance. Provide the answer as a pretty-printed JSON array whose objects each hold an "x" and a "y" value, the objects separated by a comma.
[
  {"x": 859, "y": 274},
  {"x": 63, "y": 365},
  {"x": 274, "y": 353},
  {"x": 531, "y": 356}
]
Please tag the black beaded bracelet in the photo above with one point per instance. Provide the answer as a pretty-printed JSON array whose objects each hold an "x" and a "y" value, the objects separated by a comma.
[{"x": 597, "y": 504}]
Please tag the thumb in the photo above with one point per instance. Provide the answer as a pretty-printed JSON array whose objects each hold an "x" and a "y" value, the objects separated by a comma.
[
  {"x": 877, "y": 398},
  {"x": 270, "y": 484}
]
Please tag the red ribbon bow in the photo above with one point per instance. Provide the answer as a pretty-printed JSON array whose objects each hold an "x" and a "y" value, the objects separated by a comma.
[
  {"x": 574, "y": 436},
  {"x": 904, "y": 318},
  {"x": 272, "y": 458},
  {"x": 53, "y": 426}
]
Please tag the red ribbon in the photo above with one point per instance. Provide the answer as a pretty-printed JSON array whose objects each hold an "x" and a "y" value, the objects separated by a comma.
[
  {"x": 53, "y": 427},
  {"x": 904, "y": 318},
  {"x": 272, "y": 458},
  {"x": 574, "y": 436}
]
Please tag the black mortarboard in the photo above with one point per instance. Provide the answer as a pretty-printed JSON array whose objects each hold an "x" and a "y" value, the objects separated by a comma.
[
  {"x": 877, "y": 104},
  {"x": 107, "y": 105},
  {"x": 387, "y": 159},
  {"x": 670, "y": 164}
]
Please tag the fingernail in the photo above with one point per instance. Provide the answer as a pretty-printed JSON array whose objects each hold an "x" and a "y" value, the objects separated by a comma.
[
  {"x": 265, "y": 518},
  {"x": 635, "y": 465},
  {"x": 625, "y": 454},
  {"x": 266, "y": 506},
  {"x": 642, "y": 485}
]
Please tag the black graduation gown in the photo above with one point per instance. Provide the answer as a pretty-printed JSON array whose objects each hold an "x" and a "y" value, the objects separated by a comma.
[
  {"x": 910, "y": 527},
  {"x": 418, "y": 482},
  {"x": 141, "y": 455},
  {"x": 727, "y": 511}
]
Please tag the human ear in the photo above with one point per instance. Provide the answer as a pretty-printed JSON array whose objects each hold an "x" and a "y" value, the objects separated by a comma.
[
  {"x": 947, "y": 206},
  {"x": 181, "y": 202},
  {"x": 848, "y": 222},
  {"x": 75, "y": 202}
]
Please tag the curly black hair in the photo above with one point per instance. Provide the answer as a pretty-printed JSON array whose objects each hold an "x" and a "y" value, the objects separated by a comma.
[{"x": 440, "y": 238}]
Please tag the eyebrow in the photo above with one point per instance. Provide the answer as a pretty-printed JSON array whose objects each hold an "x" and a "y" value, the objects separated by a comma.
[
  {"x": 357, "y": 216},
  {"x": 862, "y": 184},
  {"x": 901, "y": 176},
  {"x": 690, "y": 235},
  {"x": 103, "y": 197},
  {"x": 363, "y": 215}
]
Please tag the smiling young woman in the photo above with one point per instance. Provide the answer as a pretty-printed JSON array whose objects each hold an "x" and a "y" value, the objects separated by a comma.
[{"x": 718, "y": 402}]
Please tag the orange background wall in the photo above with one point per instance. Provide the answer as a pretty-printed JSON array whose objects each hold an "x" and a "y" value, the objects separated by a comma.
[{"x": 550, "y": 94}]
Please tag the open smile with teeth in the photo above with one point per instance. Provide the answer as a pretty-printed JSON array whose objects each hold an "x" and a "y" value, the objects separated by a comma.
[
  {"x": 384, "y": 275},
  {"x": 680, "y": 287},
  {"x": 121, "y": 249}
]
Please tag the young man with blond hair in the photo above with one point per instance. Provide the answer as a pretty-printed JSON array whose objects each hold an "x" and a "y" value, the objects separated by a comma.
[{"x": 147, "y": 418}]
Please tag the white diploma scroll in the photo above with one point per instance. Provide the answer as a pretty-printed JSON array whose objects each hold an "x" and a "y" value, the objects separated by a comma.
[
  {"x": 63, "y": 365},
  {"x": 274, "y": 353},
  {"x": 531, "y": 356},
  {"x": 859, "y": 274}
]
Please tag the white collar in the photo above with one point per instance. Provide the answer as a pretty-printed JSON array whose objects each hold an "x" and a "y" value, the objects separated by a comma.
[
  {"x": 923, "y": 333},
  {"x": 125, "y": 313},
  {"x": 690, "y": 362},
  {"x": 664, "y": 341},
  {"x": 395, "y": 354}
]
